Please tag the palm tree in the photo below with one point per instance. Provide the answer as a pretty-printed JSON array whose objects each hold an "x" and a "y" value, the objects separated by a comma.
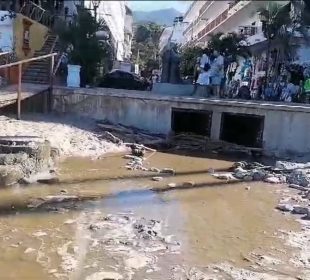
[{"x": 276, "y": 21}]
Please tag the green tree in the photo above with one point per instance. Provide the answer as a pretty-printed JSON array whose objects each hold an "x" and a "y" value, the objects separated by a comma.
[
  {"x": 143, "y": 33},
  {"x": 146, "y": 46},
  {"x": 86, "y": 50},
  {"x": 188, "y": 60},
  {"x": 277, "y": 23}
]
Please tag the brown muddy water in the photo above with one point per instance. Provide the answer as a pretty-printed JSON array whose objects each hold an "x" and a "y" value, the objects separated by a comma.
[{"x": 132, "y": 232}]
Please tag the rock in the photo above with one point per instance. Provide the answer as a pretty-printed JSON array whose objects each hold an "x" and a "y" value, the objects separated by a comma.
[
  {"x": 29, "y": 251},
  {"x": 247, "y": 188},
  {"x": 299, "y": 177},
  {"x": 287, "y": 165},
  {"x": 258, "y": 175},
  {"x": 240, "y": 173},
  {"x": 10, "y": 175},
  {"x": 39, "y": 233},
  {"x": 63, "y": 191},
  {"x": 224, "y": 176},
  {"x": 272, "y": 180},
  {"x": 52, "y": 271},
  {"x": 60, "y": 198},
  {"x": 248, "y": 178},
  {"x": 300, "y": 210},
  {"x": 154, "y": 169},
  {"x": 285, "y": 207},
  {"x": 167, "y": 171},
  {"x": 172, "y": 185},
  {"x": 69, "y": 222},
  {"x": 188, "y": 184},
  {"x": 211, "y": 170},
  {"x": 241, "y": 164},
  {"x": 157, "y": 178}
]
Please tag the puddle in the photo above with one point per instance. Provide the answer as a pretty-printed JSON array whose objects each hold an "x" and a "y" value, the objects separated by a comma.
[{"x": 213, "y": 222}]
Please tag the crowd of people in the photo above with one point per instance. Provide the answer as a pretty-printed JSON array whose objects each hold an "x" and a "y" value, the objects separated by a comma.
[
  {"x": 209, "y": 73},
  {"x": 215, "y": 75}
]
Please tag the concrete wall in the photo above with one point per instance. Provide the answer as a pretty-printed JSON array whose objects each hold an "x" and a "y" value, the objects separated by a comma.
[
  {"x": 37, "y": 36},
  {"x": 286, "y": 127},
  {"x": 173, "y": 89}
]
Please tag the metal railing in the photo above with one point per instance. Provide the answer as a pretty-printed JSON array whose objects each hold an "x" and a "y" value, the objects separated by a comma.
[
  {"x": 19, "y": 64},
  {"x": 37, "y": 13},
  {"x": 248, "y": 30}
]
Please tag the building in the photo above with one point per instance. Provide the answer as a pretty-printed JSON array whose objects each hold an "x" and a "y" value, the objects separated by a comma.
[
  {"x": 208, "y": 17},
  {"x": 114, "y": 14},
  {"x": 128, "y": 33}
]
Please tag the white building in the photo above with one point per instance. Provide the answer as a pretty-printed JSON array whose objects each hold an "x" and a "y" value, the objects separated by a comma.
[
  {"x": 128, "y": 30},
  {"x": 114, "y": 14},
  {"x": 6, "y": 33},
  {"x": 207, "y": 17}
]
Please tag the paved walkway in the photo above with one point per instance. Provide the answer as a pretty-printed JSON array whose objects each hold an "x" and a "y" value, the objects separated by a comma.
[{"x": 8, "y": 94}]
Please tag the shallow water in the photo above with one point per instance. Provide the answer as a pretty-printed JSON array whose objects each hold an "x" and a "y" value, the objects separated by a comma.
[{"x": 212, "y": 222}]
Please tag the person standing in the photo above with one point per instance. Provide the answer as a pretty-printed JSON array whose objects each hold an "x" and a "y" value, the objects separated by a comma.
[
  {"x": 204, "y": 77},
  {"x": 217, "y": 73}
]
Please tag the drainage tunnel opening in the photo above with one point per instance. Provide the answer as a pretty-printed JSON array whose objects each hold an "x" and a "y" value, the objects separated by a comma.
[
  {"x": 243, "y": 129},
  {"x": 191, "y": 121}
]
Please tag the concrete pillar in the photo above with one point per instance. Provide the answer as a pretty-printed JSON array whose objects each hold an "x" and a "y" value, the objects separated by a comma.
[{"x": 216, "y": 125}]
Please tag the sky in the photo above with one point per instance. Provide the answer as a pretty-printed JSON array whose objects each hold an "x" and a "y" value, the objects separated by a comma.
[{"x": 157, "y": 5}]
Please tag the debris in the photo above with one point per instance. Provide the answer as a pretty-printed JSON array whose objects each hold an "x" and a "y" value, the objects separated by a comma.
[
  {"x": 224, "y": 176},
  {"x": 29, "y": 251},
  {"x": 39, "y": 233},
  {"x": 299, "y": 210},
  {"x": 285, "y": 207},
  {"x": 157, "y": 178},
  {"x": 297, "y": 187},
  {"x": 172, "y": 185},
  {"x": 168, "y": 171},
  {"x": 188, "y": 184},
  {"x": 272, "y": 180}
]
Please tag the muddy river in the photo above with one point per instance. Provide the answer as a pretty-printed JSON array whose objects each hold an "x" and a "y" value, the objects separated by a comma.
[{"x": 141, "y": 229}]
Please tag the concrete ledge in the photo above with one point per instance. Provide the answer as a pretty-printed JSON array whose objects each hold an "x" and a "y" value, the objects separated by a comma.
[
  {"x": 173, "y": 89},
  {"x": 147, "y": 95}
]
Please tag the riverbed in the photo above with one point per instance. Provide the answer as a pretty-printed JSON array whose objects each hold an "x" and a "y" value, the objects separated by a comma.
[{"x": 127, "y": 226}]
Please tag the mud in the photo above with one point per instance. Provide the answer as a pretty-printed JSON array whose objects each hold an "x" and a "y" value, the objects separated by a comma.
[{"x": 189, "y": 225}]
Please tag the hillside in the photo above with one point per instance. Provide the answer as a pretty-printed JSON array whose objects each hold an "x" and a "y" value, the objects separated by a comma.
[{"x": 162, "y": 17}]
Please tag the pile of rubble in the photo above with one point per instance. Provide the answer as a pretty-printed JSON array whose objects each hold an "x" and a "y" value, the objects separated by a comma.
[
  {"x": 26, "y": 160},
  {"x": 119, "y": 134},
  {"x": 296, "y": 175},
  {"x": 282, "y": 172}
]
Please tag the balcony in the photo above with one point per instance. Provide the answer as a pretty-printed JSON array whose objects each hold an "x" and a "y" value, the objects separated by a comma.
[
  {"x": 231, "y": 10},
  {"x": 247, "y": 30}
]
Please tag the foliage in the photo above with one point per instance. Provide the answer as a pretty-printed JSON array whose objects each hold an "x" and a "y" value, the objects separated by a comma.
[
  {"x": 145, "y": 47},
  {"x": 277, "y": 25},
  {"x": 229, "y": 43},
  {"x": 142, "y": 33},
  {"x": 188, "y": 60},
  {"x": 85, "y": 49}
]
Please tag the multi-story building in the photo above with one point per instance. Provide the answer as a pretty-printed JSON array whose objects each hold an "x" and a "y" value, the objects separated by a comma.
[
  {"x": 209, "y": 17},
  {"x": 114, "y": 14},
  {"x": 128, "y": 30}
]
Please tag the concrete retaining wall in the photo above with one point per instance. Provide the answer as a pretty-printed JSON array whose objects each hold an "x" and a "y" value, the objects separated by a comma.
[
  {"x": 286, "y": 126},
  {"x": 173, "y": 89}
]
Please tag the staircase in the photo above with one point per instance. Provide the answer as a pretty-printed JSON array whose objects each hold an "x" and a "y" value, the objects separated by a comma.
[{"x": 38, "y": 72}]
